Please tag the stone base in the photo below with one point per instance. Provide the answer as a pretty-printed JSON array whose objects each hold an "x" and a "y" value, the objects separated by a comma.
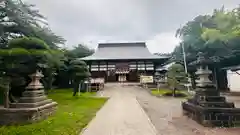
[
  {"x": 16, "y": 116},
  {"x": 212, "y": 116},
  {"x": 30, "y": 105}
]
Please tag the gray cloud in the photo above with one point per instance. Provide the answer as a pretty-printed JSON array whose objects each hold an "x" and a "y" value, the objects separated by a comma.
[{"x": 92, "y": 21}]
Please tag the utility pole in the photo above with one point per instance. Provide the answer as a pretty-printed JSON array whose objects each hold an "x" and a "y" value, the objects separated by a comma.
[{"x": 185, "y": 64}]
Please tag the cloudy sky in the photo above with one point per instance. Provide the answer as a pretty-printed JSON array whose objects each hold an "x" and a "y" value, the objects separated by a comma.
[{"x": 152, "y": 21}]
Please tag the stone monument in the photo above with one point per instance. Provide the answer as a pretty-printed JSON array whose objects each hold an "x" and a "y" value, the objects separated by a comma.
[
  {"x": 207, "y": 107},
  {"x": 32, "y": 106}
]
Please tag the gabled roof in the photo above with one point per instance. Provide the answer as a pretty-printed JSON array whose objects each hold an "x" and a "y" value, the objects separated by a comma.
[{"x": 122, "y": 51}]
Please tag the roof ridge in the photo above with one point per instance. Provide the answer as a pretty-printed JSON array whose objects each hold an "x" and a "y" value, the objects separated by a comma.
[
  {"x": 126, "y": 44},
  {"x": 122, "y": 51}
]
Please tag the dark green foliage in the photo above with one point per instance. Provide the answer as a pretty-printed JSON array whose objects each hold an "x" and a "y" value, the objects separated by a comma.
[
  {"x": 168, "y": 92},
  {"x": 176, "y": 77},
  {"x": 29, "y": 53},
  {"x": 34, "y": 46},
  {"x": 1, "y": 91},
  {"x": 36, "y": 55},
  {"x": 1, "y": 97},
  {"x": 18, "y": 19},
  {"x": 216, "y": 35},
  {"x": 23, "y": 57},
  {"x": 79, "y": 72},
  {"x": 176, "y": 94},
  {"x": 63, "y": 76},
  {"x": 28, "y": 43},
  {"x": 79, "y": 52}
]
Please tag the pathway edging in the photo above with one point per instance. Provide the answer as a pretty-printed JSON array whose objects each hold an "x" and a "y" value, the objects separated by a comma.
[
  {"x": 83, "y": 130},
  {"x": 149, "y": 121}
]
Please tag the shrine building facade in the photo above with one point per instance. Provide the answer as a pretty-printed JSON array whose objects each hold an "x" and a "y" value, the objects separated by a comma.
[{"x": 123, "y": 61}]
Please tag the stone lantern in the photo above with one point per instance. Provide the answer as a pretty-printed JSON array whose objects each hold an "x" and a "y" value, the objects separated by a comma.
[
  {"x": 35, "y": 83},
  {"x": 32, "y": 106},
  {"x": 203, "y": 72},
  {"x": 207, "y": 107}
]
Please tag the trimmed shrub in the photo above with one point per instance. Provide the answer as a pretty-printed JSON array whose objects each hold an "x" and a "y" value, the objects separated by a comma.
[{"x": 177, "y": 94}]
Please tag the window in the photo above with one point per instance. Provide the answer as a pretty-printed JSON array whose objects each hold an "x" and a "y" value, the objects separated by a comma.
[
  {"x": 103, "y": 69},
  {"x": 111, "y": 68},
  {"x": 94, "y": 69},
  {"x": 94, "y": 66},
  {"x": 149, "y": 68},
  {"x": 103, "y": 66},
  {"x": 133, "y": 65},
  {"x": 149, "y": 65},
  {"x": 111, "y": 65},
  {"x": 141, "y": 68}
]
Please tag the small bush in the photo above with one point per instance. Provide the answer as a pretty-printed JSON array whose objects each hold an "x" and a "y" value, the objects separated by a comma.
[
  {"x": 178, "y": 94},
  {"x": 168, "y": 93}
]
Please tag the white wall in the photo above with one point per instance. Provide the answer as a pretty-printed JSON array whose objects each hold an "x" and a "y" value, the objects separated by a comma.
[{"x": 233, "y": 81}]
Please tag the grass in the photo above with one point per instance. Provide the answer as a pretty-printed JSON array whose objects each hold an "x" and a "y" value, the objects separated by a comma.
[
  {"x": 162, "y": 92},
  {"x": 73, "y": 114}
]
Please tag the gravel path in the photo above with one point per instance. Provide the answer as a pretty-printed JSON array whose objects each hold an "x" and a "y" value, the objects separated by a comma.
[
  {"x": 122, "y": 115},
  {"x": 166, "y": 115}
]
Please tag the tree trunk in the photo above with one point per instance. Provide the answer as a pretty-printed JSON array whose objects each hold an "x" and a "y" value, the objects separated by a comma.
[
  {"x": 79, "y": 88},
  {"x": 49, "y": 81},
  {"x": 75, "y": 87},
  {"x": 6, "y": 93},
  {"x": 174, "y": 92}
]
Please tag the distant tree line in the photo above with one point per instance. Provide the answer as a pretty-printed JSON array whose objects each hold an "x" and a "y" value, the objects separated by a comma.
[
  {"x": 28, "y": 44},
  {"x": 216, "y": 35}
]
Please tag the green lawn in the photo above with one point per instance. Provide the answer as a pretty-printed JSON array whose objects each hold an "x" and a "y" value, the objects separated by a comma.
[
  {"x": 161, "y": 92},
  {"x": 72, "y": 115}
]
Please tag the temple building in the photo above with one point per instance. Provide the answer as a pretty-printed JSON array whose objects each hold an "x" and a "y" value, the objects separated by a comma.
[{"x": 123, "y": 61}]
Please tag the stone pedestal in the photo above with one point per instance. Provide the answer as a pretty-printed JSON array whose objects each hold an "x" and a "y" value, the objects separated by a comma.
[
  {"x": 32, "y": 106},
  {"x": 207, "y": 107}
]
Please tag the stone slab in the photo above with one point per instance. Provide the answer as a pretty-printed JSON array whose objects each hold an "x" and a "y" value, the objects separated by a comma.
[{"x": 32, "y": 99}]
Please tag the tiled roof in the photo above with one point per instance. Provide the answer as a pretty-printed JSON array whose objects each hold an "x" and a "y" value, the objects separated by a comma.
[{"x": 121, "y": 51}]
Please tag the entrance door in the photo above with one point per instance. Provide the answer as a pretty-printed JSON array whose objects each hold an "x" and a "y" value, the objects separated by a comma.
[{"x": 122, "y": 78}]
